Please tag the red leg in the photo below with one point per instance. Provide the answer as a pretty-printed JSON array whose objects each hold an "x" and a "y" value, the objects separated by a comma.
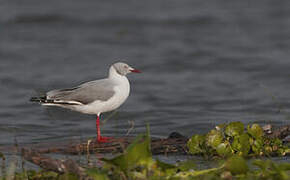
[{"x": 100, "y": 139}]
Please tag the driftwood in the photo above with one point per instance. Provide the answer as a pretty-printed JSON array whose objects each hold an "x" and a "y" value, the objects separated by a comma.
[
  {"x": 175, "y": 143},
  {"x": 281, "y": 132},
  {"x": 56, "y": 165}
]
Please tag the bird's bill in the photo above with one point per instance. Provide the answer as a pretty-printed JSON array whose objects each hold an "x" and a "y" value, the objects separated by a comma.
[{"x": 135, "y": 70}]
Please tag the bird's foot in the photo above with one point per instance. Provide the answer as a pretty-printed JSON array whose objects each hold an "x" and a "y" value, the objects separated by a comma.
[{"x": 102, "y": 139}]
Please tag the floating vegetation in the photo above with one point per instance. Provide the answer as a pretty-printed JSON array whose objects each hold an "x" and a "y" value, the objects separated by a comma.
[
  {"x": 233, "y": 168},
  {"x": 136, "y": 162},
  {"x": 229, "y": 139}
]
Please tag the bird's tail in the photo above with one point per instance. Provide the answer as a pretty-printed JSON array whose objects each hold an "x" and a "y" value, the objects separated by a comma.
[
  {"x": 53, "y": 102},
  {"x": 40, "y": 99}
]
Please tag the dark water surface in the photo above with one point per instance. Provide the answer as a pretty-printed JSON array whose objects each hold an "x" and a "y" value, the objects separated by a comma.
[{"x": 203, "y": 63}]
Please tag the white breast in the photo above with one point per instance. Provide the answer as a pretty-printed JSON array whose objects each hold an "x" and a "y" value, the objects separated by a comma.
[
  {"x": 122, "y": 90},
  {"x": 122, "y": 93}
]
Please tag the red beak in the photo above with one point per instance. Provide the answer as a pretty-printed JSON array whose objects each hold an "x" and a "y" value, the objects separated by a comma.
[{"x": 135, "y": 71}]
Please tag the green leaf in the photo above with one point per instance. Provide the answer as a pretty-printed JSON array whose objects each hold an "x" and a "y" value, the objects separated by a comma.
[
  {"x": 224, "y": 150},
  {"x": 271, "y": 170},
  {"x": 284, "y": 166},
  {"x": 195, "y": 144},
  {"x": 137, "y": 153},
  {"x": 165, "y": 167},
  {"x": 67, "y": 176},
  {"x": 255, "y": 130},
  {"x": 97, "y": 174},
  {"x": 277, "y": 142},
  {"x": 241, "y": 144},
  {"x": 31, "y": 174},
  {"x": 214, "y": 138},
  {"x": 186, "y": 165},
  {"x": 236, "y": 165},
  {"x": 261, "y": 164},
  {"x": 196, "y": 174},
  {"x": 258, "y": 146},
  {"x": 234, "y": 129}
]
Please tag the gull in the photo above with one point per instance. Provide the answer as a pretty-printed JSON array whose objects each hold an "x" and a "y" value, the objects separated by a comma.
[{"x": 93, "y": 97}]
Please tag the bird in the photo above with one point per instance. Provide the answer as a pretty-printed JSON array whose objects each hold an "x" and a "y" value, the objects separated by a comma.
[{"x": 93, "y": 97}]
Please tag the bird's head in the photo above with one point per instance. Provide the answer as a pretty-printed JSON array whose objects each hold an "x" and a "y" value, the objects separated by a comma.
[{"x": 124, "y": 69}]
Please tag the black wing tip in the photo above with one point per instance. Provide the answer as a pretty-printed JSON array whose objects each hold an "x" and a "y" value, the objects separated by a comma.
[{"x": 41, "y": 99}]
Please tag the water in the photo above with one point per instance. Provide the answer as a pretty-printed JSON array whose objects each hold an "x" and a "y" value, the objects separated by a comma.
[{"x": 203, "y": 63}]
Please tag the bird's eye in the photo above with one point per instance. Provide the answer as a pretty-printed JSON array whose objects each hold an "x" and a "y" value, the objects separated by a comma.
[{"x": 125, "y": 66}]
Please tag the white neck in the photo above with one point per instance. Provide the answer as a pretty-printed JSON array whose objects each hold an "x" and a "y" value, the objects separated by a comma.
[{"x": 113, "y": 74}]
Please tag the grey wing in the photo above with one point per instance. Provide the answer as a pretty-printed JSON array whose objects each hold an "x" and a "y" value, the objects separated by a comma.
[{"x": 86, "y": 93}]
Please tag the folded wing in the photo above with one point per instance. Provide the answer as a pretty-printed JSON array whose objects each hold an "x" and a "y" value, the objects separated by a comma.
[{"x": 100, "y": 90}]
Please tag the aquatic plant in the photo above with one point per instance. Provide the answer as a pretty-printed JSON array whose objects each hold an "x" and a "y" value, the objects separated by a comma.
[
  {"x": 234, "y": 168},
  {"x": 137, "y": 161},
  {"x": 229, "y": 139}
]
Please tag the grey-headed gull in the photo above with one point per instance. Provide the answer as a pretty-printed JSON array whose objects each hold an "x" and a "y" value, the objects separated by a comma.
[{"x": 94, "y": 97}]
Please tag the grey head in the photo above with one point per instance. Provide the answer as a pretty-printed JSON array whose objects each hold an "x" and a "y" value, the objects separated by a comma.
[{"x": 123, "y": 68}]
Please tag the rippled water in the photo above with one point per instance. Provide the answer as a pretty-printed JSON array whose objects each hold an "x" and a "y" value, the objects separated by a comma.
[{"x": 203, "y": 63}]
